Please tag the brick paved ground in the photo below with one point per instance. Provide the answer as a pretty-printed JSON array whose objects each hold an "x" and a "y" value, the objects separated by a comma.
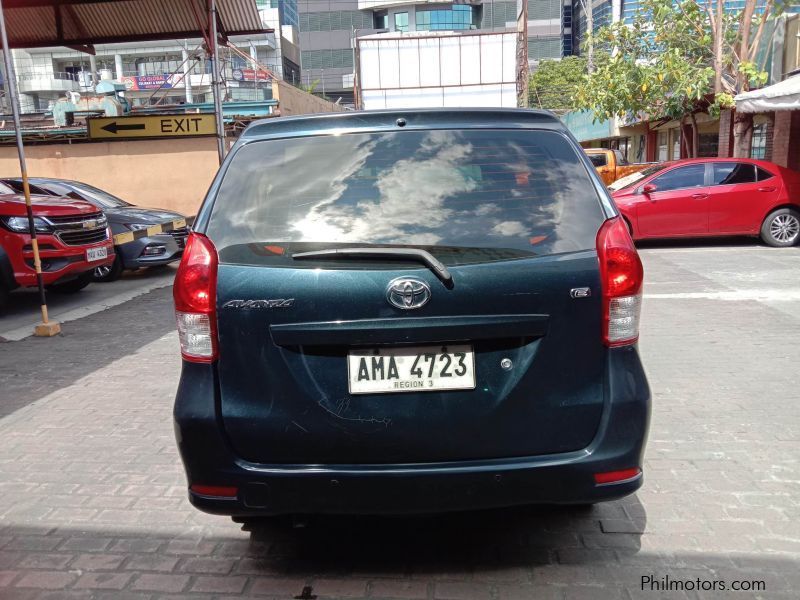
[{"x": 92, "y": 499}]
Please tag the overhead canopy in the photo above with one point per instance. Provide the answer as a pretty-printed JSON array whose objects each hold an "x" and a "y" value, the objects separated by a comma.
[
  {"x": 780, "y": 96},
  {"x": 82, "y": 23}
]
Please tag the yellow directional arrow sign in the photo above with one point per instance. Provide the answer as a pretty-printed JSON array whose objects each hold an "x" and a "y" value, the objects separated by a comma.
[{"x": 151, "y": 126}]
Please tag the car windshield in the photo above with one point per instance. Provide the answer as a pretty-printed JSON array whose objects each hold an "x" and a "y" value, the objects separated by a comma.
[
  {"x": 633, "y": 178},
  {"x": 101, "y": 197},
  {"x": 17, "y": 188},
  {"x": 464, "y": 196}
]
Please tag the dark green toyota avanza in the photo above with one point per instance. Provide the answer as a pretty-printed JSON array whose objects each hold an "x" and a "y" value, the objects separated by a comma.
[{"x": 409, "y": 311}]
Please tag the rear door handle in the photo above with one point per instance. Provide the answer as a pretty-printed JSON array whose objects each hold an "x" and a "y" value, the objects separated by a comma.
[
  {"x": 766, "y": 189},
  {"x": 699, "y": 196}
]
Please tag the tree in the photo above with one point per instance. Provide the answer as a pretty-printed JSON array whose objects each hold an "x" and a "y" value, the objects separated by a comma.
[
  {"x": 554, "y": 84},
  {"x": 674, "y": 60},
  {"x": 743, "y": 45}
]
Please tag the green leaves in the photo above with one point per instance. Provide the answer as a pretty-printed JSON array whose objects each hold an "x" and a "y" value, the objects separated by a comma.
[
  {"x": 661, "y": 64},
  {"x": 555, "y": 82}
]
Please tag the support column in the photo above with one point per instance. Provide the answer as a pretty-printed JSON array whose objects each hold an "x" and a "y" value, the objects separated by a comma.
[
  {"x": 93, "y": 68},
  {"x": 187, "y": 77},
  {"x": 782, "y": 137},
  {"x": 725, "y": 147},
  {"x": 46, "y": 328},
  {"x": 118, "y": 67},
  {"x": 216, "y": 81}
]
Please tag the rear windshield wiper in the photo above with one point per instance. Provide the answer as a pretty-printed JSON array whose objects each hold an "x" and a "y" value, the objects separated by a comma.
[{"x": 415, "y": 254}]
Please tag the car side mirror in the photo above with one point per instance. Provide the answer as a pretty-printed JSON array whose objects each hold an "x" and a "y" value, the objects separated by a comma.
[{"x": 649, "y": 188}]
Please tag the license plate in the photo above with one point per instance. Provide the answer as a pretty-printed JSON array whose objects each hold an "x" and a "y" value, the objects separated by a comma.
[
  {"x": 415, "y": 369},
  {"x": 93, "y": 254}
]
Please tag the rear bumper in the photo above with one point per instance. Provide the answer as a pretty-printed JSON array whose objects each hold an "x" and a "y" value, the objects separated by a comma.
[{"x": 414, "y": 488}]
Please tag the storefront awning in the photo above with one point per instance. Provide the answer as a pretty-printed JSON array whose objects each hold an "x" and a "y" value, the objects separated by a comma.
[
  {"x": 780, "y": 96},
  {"x": 78, "y": 23}
]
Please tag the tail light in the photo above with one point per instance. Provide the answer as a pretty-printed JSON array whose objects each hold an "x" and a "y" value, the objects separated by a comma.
[
  {"x": 616, "y": 476},
  {"x": 621, "y": 274},
  {"x": 195, "y": 291}
]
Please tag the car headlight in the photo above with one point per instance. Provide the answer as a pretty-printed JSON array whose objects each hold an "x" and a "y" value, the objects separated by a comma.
[
  {"x": 137, "y": 226},
  {"x": 20, "y": 224}
]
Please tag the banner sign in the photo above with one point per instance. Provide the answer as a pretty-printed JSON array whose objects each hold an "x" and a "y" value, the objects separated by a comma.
[
  {"x": 152, "y": 82},
  {"x": 250, "y": 75}
]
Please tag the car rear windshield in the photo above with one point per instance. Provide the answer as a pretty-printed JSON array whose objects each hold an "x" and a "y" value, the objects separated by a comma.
[{"x": 463, "y": 195}]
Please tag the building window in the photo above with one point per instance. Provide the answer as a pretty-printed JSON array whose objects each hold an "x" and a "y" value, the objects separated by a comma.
[
  {"x": 381, "y": 20},
  {"x": 676, "y": 144},
  {"x": 339, "y": 20},
  {"x": 401, "y": 21},
  {"x": 709, "y": 144},
  {"x": 496, "y": 15},
  {"x": 327, "y": 59},
  {"x": 758, "y": 145},
  {"x": 640, "y": 148},
  {"x": 545, "y": 47},
  {"x": 455, "y": 19},
  {"x": 663, "y": 146}
]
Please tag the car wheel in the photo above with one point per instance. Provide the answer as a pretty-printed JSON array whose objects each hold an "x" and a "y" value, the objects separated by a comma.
[
  {"x": 73, "y": 286},
  {"x": 108, "y": 273},
  {"x": 4, "y": 293},
  {"x": 781, "y": 228}
]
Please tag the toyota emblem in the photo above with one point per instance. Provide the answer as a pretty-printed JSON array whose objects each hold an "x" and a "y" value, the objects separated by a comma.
[{"x": 408, "y": 293}]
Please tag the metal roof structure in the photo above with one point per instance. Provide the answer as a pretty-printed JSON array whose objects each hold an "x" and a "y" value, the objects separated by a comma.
[{"x": 82, "y": 23}]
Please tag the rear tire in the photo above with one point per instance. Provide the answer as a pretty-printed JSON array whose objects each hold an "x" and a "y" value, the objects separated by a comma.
[
  {"x": 4, "y": 294},
  {"x": 108, "y": 273},
  {"x": 781, "y": 228},
  {"x": 73, "y": 286}
]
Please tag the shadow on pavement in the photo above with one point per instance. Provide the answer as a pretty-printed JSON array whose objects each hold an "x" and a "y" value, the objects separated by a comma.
[
  {"x": 455, "y": 544},
  {"x": 558, "y": 552},
  {"x": 711, "y": 242},
  {"x": 25, "y": 301},
  {"x": 34, "y": 367}
]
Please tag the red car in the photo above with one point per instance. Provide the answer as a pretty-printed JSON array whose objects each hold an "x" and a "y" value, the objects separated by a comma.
[
  {"x": 73, "y": 237},
  {"x": 712, "y": 196}
]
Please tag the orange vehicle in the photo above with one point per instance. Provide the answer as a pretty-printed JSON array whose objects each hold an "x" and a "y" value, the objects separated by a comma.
[{"x": 612, "y": 164}]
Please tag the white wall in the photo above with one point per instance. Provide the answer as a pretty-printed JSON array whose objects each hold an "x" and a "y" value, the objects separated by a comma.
[{"x": 442, "y": 70}]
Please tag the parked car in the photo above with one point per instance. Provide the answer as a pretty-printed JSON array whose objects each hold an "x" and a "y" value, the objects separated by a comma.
[
  {"x": 713, "y": 197},
  {"x": 149, "y": 251},
  {"x": 73, "y": 240},
  {"x": 408, "y": 311},
  {"x": 612, "y": 165}
]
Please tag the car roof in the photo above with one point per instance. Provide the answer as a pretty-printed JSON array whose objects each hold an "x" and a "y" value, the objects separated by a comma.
[
  {"x": 414, "y": 119},
  {"x": 713, "y": 159}
]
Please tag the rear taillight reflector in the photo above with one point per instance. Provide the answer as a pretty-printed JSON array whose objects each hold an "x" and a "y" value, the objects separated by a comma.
[
  {"x": 195, "y": 291},
  {"x": 621, "y": 275},
  {"x": 220, "y": 491},
  {"x": 195, "y": 335},
  {"x": 616, "y": 476}
]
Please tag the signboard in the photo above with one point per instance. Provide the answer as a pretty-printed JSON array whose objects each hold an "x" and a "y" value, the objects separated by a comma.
[
  {"x": 250, "y": 75},
  {"x": 439, "y": 69},
  {"x": 151, "y": 126},
  {"x": 152, "y": 82}
]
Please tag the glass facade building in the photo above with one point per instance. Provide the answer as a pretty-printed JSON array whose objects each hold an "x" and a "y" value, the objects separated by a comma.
[{"x": 457, "y": 18}]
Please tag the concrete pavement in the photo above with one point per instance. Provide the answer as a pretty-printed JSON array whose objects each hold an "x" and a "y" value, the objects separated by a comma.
[
  {"x": 93, "y": 502},
  {"x": 22, "y": 313}
]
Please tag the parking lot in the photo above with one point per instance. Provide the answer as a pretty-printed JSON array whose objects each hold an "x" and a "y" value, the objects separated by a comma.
[{"x": 93, "y": 502}]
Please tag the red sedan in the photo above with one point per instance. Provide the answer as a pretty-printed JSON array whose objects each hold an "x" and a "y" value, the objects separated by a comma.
[{"x": 712, "y": 196}]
